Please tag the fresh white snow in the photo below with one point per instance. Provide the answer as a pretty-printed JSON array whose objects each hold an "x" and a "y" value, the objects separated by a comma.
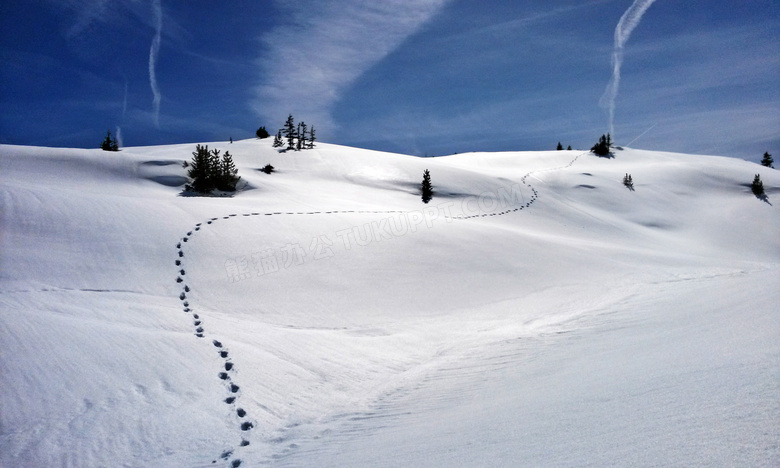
[{"x": 535, "y": 313}]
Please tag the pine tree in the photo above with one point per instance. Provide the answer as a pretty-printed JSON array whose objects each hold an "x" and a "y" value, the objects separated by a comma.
[
  {"x": 757, "y": 186},
  {"x": 289, "y": 132},
  {"x": 311, "y": 137},
  {"x": 200, "y": 171},
  {"x": 426, "y": 188},
  {"x": 298, "y": 138},
  {"x": 560, "y": 146},
  {"x": 228, "y": 174},
  {"x": 109, "y": 144},
  {"x": 569, "y": 148},
  {"x": 767, "y": 160},
  {"x": 302, "y": 135},
  {"x": 278, "y": 140}
]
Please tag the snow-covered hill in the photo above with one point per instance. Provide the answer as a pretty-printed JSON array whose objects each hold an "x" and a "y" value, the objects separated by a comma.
[{"x": 535, "y": 313}]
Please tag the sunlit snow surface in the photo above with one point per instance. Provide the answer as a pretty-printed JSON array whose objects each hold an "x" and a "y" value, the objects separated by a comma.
[{"x": 535, "y": 313}]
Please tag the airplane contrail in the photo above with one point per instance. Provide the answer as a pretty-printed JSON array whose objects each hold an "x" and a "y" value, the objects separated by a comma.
[
  {"x": 625, "y": 27},
  {"x": 153, "y": 51}
]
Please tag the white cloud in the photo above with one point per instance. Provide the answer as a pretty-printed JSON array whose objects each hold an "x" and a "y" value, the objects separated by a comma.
[{"x": 325, "y": 47}]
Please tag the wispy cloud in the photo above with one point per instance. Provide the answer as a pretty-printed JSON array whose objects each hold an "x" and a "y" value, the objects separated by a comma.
[
  {"x": 308, "y": 63},
  {"x": 154, "y": 50},
  {"x": 628, "y": 22}
]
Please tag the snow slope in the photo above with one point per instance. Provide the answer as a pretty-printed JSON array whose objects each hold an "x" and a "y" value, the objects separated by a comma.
[{"x": 535, "y": 313}]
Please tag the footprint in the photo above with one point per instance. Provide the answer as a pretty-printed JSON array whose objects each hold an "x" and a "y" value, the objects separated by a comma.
[
  {"x": 228, "y": 366},
  {"x": 178, "y": 262},
  {"x": 199, "y": 335},
  {"x": 224, "y": 376},
  {"x": 186, "y": 304},
  {"x": 179, "y": 280},
  {"x": 246, "y": 426},
  {"x": 178, "y": 246},
  {"x": 241, "y": 413},
  {"x": 197, "y": 322},
  {"x": 195, "y": 316},
  {"x": 233, "y": 388},
  {"x": 230, "y": 400},
  {"x": 199, "y": 329},
  {"x": 185, "y": 239},
  {"x": 223, "y": 354},
  {"x": 244, "y": 443},
  {"x": 182, "y": 272},
  {"x": 236, "y": 463},
  {"x": 217, "y": 344},
  {"x": 181, "y": 254},
  {"x": 226, "y": 454},
  {"x": 182, "y": 296},
  {"x": 186, "y": 288}
]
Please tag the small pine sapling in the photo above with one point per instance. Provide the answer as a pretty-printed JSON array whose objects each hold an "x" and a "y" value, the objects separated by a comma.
[
  {"x": 426, "y": 188},
  {"x": 757, "y": 186}
]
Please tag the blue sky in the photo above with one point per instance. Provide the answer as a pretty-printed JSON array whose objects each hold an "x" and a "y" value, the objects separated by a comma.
[{"x": 423, "y": 77}]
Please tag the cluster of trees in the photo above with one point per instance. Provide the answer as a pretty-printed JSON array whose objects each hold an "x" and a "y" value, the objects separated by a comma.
[
  {"x": 602, "y": 148},
  {"x": 297, "y": 137},
  {"x": 560, "y": 147},
  {"x": 628, "y": 181},
  {"x": 109, "y": 144},
  {"x": 261, "y": 133},
  {"x": 209, "y": 172}
]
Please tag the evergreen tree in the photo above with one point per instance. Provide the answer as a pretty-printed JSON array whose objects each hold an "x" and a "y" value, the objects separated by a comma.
[
  {"x": 262, "y": 133},
  {"x": 200, "y": 171},
  {"x": 311, "y": 137},
  {"x": 298, "y": 138},
  {"x": 767, "y": 160},
  {"x": 560, "y": 146},
  {"x": 569, "y": 148},
  {"x": 302, "y": 135},
  {"x": 278, "y": 140},
  {"x": 426, "y": 188},
  {"x": 228, "y": 174},
  {"x": 757, "y": 186},
  {"x": 109, "y": 144},
  {"x": 289, "y": 132}
]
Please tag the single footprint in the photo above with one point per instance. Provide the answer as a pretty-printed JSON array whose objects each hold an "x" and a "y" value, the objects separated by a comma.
[
  {"x": 217, "y": 344},
  {"x": 223, "y": 354},
  {"x": 241, "y": 413},
  {"x": 230, "y": 400},
  {"x": 228, "y": 366},
  {"x": 246, "y": 426},
  {"x": 223, "y": 376},
  {"x": 233, "y": 388},
  {"x": 244, "y": 443}
]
